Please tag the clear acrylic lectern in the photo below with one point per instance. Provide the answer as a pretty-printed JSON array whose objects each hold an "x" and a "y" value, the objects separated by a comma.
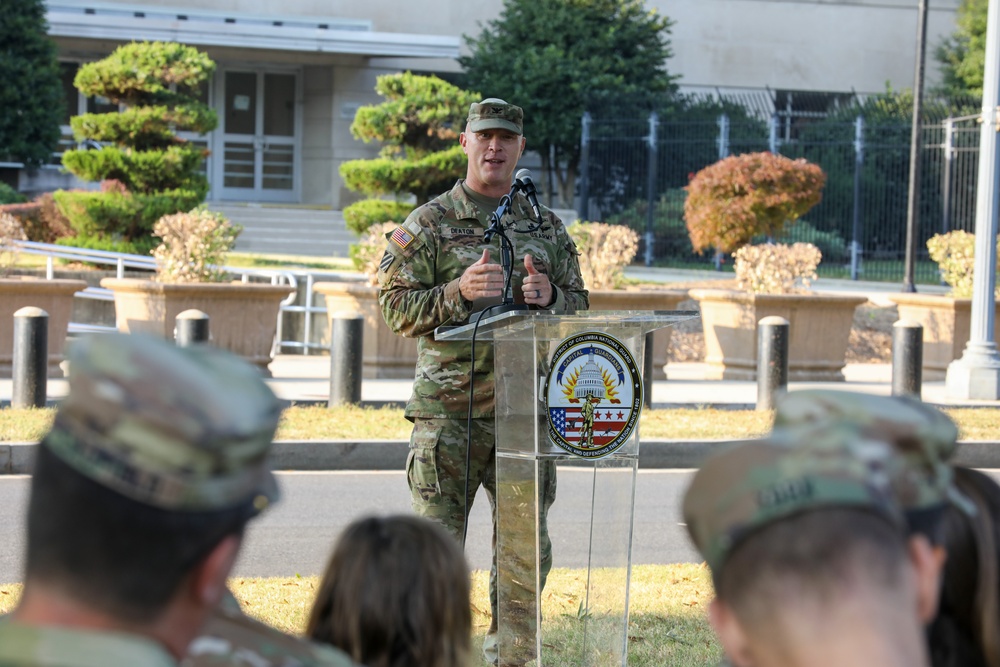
[{"x": 566, "y": 395}]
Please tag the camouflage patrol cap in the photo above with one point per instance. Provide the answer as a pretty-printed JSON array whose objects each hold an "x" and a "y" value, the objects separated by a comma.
[
  {"x": 922, "y": 436},
  {"x": 495, "y": 114},
  {"x": 755, "y": 483},
  {"x": 183, "y": 429}
]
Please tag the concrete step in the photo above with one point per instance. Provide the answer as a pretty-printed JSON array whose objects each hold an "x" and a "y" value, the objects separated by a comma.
[{"x": 289, "y": 230}]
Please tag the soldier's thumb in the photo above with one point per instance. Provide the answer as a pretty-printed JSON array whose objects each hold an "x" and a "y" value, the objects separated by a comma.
[
  {"x": 485, "y": 259},
  {"x": 529, "y": 265}
]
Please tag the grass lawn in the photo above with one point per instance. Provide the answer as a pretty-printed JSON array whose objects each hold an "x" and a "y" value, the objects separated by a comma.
[
  {"x": 320, "y": 423},
  {"x": 667, "y": 623}
]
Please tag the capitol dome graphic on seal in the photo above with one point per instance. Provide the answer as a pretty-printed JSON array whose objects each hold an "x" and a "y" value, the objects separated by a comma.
[{"x": 593, "y": 395}]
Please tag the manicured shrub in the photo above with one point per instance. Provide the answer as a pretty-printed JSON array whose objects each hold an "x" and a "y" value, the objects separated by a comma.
[
  {"x": 743, "y": 196},
  {"x": 776, "y": 268},
  {"x": 361, "y": 215},
  {"x": 194, "y": 246},
  {"x": 954, "y": 254},
  {"x": 157, "y": 173},
  {"x": 605, "y": 250}
]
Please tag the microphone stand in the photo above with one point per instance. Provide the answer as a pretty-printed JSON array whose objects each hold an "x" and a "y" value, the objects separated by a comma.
[{"x": 496, "y": 228}]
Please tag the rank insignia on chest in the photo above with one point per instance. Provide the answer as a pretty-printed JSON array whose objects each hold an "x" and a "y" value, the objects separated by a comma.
[{"x": 401, "y": 237}]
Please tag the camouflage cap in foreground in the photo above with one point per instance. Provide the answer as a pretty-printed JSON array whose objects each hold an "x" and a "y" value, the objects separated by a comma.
[
  {"x": 758, "y": 482},
  {"x": 495, "y": 114},
  {"x": 176, "y": 428},
  {"x": 922, "y": 436}
]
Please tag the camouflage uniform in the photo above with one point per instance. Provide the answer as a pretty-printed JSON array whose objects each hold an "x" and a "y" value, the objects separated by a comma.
[
  {"x": 923, "y": 437},
  {"x": 233, "y": 639},
  {"x": 178, "y": 429},
  {"x": 419, "y": 291},
  {"x": 33, "y": 646}
]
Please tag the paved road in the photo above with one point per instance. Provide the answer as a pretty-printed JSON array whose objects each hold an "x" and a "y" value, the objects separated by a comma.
[{"x": 295, "y": 537}]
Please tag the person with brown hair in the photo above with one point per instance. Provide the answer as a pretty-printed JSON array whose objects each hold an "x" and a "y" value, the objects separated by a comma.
[
  {"x": 395, "y": 594},
  {"x": 966, "y": 631}
]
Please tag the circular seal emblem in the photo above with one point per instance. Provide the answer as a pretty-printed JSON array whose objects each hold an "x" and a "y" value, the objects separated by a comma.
[{"x": 593, "y": 395}]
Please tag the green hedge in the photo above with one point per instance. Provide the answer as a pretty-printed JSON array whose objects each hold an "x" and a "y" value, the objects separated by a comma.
[
  {"x": 142, "y": 171},
  {"x": 146, "y": 73},
  {"x": 128, "y": 217},
  {"x": 361, "y": 215},
  {"x": 425, "y": 177},
  {"x": 144, "y": 127}
]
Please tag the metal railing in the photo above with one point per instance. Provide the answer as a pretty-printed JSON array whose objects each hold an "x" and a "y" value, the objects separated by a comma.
[{"x": 289, "y": 307}]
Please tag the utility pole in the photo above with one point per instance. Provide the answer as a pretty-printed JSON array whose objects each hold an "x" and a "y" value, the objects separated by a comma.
[{"x": 913, "y": 195}]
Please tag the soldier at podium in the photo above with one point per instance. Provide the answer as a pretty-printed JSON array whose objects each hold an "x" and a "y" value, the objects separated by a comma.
[{"x": 435, "y": 267}]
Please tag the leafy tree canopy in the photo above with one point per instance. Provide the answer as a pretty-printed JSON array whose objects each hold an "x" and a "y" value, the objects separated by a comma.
[
  {"x": 31, "y": 97},
  {"x": 962, "y": 56},
  {"x": 559, "y": 58}
]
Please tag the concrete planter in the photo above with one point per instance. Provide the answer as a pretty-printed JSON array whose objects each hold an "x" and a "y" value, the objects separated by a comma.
[
  {"x": 243, "y": 316},
  {"x": 653, "y": 299},
  {"x": 946, "y": 321},
  {"x": 820, "y": 326},
  {"x": 55, "y": 297},
  {"x": 385, "y": 353}
]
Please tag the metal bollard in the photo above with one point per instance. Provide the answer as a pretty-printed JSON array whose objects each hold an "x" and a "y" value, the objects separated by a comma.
[
  {"x": 191, "y": 327},
  {"x": 907, "y": 358},
  {"x": 345, "y": 358},
  {"x": 772, "y": 360},
  {"x": 647, "y": 372},
  {"x": 31, "y": 358}
]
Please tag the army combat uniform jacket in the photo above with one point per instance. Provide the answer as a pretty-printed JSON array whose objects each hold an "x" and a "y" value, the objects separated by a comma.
[
  {"x": 418, "y": 291},
  {"x": 33, "y": 646}
]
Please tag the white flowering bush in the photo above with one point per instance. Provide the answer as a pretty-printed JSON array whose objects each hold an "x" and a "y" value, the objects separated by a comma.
[
  {"x": 954, "y": 253},
  {"x": 10, "y": 230},
  {"x": 605, "y": 251},
  {"x": 776, "y": 268},
  {"x": 194, "y": 246},
  {"x": 367, "y": 253}
]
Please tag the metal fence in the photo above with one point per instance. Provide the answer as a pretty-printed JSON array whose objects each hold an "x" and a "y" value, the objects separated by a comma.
[{"x": 633, "y": 171}]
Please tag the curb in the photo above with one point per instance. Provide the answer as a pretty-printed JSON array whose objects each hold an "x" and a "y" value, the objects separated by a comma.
[{"x": 367, "y": 455}]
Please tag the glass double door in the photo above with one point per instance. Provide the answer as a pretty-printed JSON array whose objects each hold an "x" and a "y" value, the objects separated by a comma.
[{"x": 257, "y": 150}]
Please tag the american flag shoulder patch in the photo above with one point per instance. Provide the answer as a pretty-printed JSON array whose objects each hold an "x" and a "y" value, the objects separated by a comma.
[{"x": 401, "y": 237}]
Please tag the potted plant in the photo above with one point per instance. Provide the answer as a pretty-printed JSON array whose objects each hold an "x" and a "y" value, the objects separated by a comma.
[
  {"x": 605, "y": 250},
  {"x": 730, "y": 203},
  {"x": 243, "y": 316},
  {"x": 385, "y": 353},
  {"x": 55, "y": 297},
  {"x": 946, "y": 319}
]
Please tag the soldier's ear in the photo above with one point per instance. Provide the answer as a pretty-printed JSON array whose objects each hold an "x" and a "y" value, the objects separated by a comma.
[
  {"x": 733, "y": 638},
  {"x": 209, "y": 576}
]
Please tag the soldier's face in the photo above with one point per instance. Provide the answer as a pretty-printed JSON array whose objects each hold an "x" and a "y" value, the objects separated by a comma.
[{"x": 493, "y": 156}]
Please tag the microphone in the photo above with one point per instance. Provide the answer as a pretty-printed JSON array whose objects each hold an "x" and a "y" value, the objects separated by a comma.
[{"x": 523, "y": 181}]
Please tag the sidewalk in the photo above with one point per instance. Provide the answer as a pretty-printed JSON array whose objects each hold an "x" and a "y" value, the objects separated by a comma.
[{"x": 306, "y": 379}]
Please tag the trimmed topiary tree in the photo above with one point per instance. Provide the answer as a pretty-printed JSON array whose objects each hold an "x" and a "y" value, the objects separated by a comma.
[
  {"x": 146, "y": 170},
  {"x": 418, "y": 125},
  {"x": 743, "y": 196}
]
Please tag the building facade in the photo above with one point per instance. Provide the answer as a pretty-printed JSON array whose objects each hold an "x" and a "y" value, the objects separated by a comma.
[{"x": 292, "y": 74}]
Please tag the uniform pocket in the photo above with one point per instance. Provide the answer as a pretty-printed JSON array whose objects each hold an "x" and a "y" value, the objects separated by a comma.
[{"x": 421, "y": 462}]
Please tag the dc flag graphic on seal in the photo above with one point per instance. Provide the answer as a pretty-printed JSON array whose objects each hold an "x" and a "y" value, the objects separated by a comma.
[{"x": 593, "y": 395}]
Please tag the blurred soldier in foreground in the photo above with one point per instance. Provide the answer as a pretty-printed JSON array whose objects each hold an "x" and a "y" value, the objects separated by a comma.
[
  {"x": 809, "y": 555},
  {"x": 141, "y": 490}
]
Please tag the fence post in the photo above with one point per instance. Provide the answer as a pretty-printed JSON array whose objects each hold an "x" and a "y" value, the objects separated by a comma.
[
  {"x": 859, "y": 163},
  {"x": 585, "y": 166},
  {"x": 31, "y": 358},
  {"x": 346, "y": 334},
  {"x": 191, "y": 327},
  {"x": 772, "y": 133},
  {"x": 772, "y": 360},
  {"x": 651, "y": 186},
  {"x": 723, "y": 136},
  {"x": 907, "y": 358}
]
